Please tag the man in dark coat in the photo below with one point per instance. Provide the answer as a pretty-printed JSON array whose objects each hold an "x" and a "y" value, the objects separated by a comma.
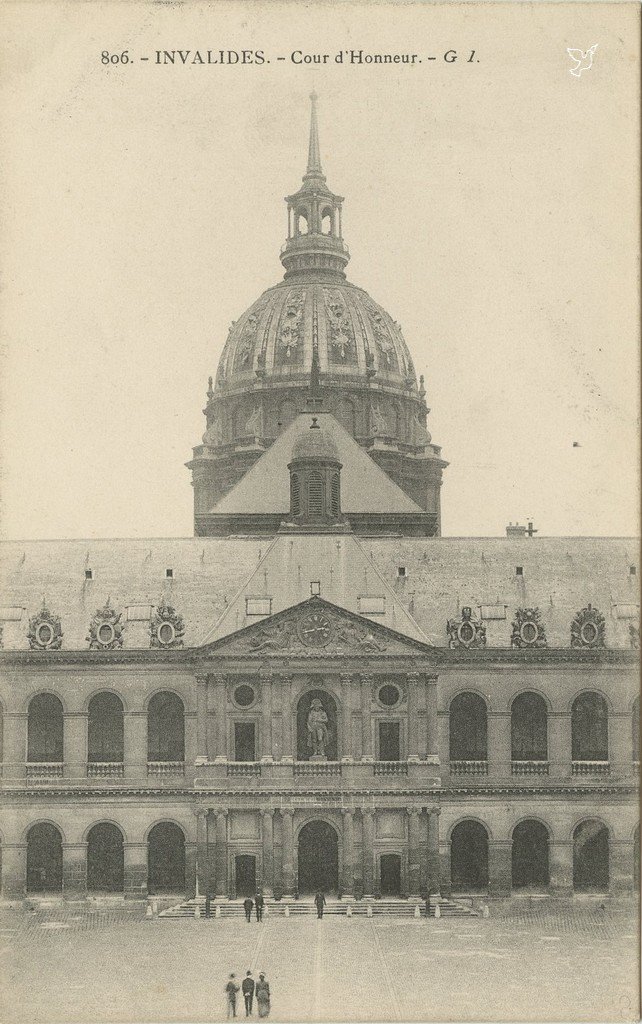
[
  {"x": 319, "y": 899},
  {"x": 259, "y": 903},
  {"x": 247, "y": 907},
  {"x": 248, "y": 992},
  {"x": 230, "y": 991}
]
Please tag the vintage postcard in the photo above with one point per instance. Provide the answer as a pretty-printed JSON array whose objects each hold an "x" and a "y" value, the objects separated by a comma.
[{"x": 319, "y": 585}]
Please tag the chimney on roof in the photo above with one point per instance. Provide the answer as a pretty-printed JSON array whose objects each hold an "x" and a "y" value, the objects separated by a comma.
[{"x": 515, "y": 532}]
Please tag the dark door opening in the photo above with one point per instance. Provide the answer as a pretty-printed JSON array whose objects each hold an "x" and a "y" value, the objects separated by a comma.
[
  {"x": 591, "y": 857},
  {"x": 245, "y": 874},
  {"x": 530, "y": 856},
  {"x": 389, "y": 745},
  {"x": 390, "y": 867},
  {"x": 166, "y": 859},
  {"x": 105, "y": 859},
  {"x": 318, "y": 858},
  {"x": 44, "y": 859},
  {"x": 244, "y": 741}
]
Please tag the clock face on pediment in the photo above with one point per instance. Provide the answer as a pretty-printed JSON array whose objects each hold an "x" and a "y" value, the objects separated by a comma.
[{"x": 315, "y": 629}]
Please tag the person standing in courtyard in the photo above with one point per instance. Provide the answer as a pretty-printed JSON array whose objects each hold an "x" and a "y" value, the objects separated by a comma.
[
  {"x": 230, "y": 991},
  {"x": 262, "y": 992},
  {"x": 248, "y": 992},
  {"x": 247, "y": 906},
  {"x": 259, "y": 903},
  {"x": 319, "y": 899}
]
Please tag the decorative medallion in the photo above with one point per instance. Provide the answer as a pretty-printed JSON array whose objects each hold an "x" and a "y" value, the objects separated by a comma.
[
  {"x": 315, "y": 629},
  {"x": 289, "y": 331},
  {"x": 634, "y": 636},
  {"x": 105, "y": 630},
  {"x": 528, "y": 629},
  {"x": 45, "y": 632},
  {"x": 166, "y": 629},
  {"x": 341, "y": 333},
  {"x": 588, "y": 628},
  {"x": 466, "y": 631}
]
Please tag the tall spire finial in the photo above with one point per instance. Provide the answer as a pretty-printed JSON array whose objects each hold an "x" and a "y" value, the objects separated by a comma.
[{"x": 314, "y": 156}]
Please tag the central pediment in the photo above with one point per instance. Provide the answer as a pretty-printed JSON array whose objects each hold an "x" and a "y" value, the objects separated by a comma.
[{"x": 314, "y": 629}]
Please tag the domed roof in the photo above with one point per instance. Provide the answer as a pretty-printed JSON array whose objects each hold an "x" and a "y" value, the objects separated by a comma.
[
  {"x": 276, "y": 336},
  {"x": 315, "y": 443}
]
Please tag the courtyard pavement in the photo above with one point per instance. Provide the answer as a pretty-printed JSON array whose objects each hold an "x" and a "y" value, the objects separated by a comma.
[{"x": 65, "y": 964}]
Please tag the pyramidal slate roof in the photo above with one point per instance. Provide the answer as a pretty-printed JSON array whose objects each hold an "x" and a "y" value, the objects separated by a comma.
[{"x": 365, "y": 487}]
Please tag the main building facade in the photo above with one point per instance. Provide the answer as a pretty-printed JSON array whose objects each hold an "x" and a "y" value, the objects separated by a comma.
[{"x": 317, "y": 690}]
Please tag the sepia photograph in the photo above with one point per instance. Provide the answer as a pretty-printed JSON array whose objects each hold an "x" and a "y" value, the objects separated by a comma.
[{"x": 319, "y": 511}]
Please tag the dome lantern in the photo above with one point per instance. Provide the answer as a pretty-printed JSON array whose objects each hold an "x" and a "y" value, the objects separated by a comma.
[{"x": 314, "y": 240}]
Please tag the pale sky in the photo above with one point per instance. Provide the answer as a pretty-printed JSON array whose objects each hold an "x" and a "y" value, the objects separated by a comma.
[{"x": 491, "y": 208}]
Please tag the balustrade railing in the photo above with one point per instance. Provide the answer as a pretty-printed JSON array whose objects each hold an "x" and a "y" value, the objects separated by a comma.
[
  {"x": 529, "y": 767},
  {"x": 243, "y": 768},
  {"x": 390, "y": 768},
  {"x": 317, "y": 768},
  {"x": 469, "y": 767},
  {"x": 44, "y": 769},
  {"x": 105, "y": 770},
  {"x": 591, "y": 767},
  {"x": 165, "y": 768}
]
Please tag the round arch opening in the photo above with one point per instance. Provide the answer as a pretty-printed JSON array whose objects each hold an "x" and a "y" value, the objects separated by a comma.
[
  {"x": 469, "y": 857},
  {"x": 44, "y": 858},
  {"x": 166, "y": 859},
  {"x": 591, "y": 857},
  {"x": 529, "y": 855},
  {"x": 105, "y": 858},
  {"x": 318, "y": 858}
]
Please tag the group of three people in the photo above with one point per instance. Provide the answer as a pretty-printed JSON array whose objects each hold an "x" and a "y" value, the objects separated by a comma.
[{"x": 250, "y": 989}]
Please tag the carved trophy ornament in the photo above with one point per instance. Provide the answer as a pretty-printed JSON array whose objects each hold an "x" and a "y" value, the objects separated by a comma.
[
  {"x": 105, "y": 630},
  {"x": 588, "y": 629},
  {"x": 634, "y": 636},
  {"x": 318, "y": 733},
  {"x": 528, "y": 629},
  {"x": 466, "y": 631},
  {"x": 166, "y": 628},
  {"x": 288, "y": 335},
  {"x": 45, "y": 631},
  {"x": 383, "y": 341},
  {"x": 339, "y": 325}
]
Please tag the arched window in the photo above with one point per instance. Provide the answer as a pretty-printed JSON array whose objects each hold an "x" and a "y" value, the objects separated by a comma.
[
  {"x": 166, "y": 859},
  {"x": 295, "y": 496},
  {"x": 589, "y": 728},
  {"x": 528, "y": 728},
  {"x": 44, "y": 858},
  {"x": 327, "y": 221},
  {"x": 165, "y": 728},
  {"x": 469, "y": 857},
  {"x": 335, "y": 501},
  {"x": 530, "y": 855},
  {"x": 468, "y": 728},
  {"x": 45, "y": 730},
  {"x": 105, "y": 859},
  {"x": 315, "y": 495},
  {"x": 105, "y": 728},
  {"x": 302, "y": 226},
  {"x": 591, "y": 857},
  {"x": 636, "y": 729}
]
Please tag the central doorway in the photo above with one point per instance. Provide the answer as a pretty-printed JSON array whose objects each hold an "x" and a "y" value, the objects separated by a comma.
[
  {"x": 318, "y": 858},
  {"x": 390, "y": 866},
  {"x": 245, "y": 874}
]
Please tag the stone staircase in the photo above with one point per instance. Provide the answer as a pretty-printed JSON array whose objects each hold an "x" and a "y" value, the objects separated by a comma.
[{"x": 195, "y": 908}]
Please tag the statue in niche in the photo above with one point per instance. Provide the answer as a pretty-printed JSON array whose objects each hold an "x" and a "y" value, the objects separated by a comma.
[{"x": 318, "y": 733}]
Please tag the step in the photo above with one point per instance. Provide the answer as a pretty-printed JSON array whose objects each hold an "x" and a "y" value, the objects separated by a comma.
[{"x": 297, "y": 908}]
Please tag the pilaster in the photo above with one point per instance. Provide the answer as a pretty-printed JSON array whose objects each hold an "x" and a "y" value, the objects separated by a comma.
[
  {"x": 135, "y": 857},
  {"x": 499, "y": 744},
  {"x": 366, "y": 720},
  {"x": 267, "y": 835},
  {"x": 15, "y": 744},
  {"x": 560, "y": 867},
  {"x": 74, "y": 870},
  {"x": 74, "y": 738},
  {"x": 348, "y": 852},
  {"x": 221, "y": 853},
  {"x": 347, "y": 753},
  {"x": 14, "y": 870},
  {"x": 287, "y": 826},
  {"x": 201, "y": 720},
  {"x": 432, "y": 734},
  {"x": 412, "y": 681},
  {"x": 135, "y": 752},
  {"x": 499, "y": 867},
  {"x": 433, "y": 850},
  {"x": 367, "y": 820},
  {"x": 413, "y": 851}
]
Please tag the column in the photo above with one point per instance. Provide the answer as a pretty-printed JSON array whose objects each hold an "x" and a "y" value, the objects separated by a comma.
[
  {"x": 135, "y": 870},
  {"x": 413, "y": 851},
  {"x": 348, "y": 852},
  {"x": 621, "y": 742},
  {"x": 433, "y": 850},
  {"x": 201, "y": 719},
  {"x": 560, "y": 867},
  {"x": 500, "y": 867},
  {"x": 347, "y": 753},
  {"x": 75, "y": 744},
  {"x": 621, "y": 867},
  {"x": 367, "y": 819},
  {"x": 499, "y": 744},
  {"x": 221, "y": 718},
  {"x": 289, "y": 740},
  {"x": 444, "y": 867},
  {"x": 432, "y": 734},
  {"x": 221, "y": 853},
  {"x": 190, "y": 869},
  {"x": 74, "y": 870},
  {"x": 211, "y": 852},
  {"x": 266, "y": 720},
  {"x": 366, "y": 720},
  {"x": 135, "y": 730},
  {"x": 202, "y": 858},
  {"x": 267, "y": 833},
  {"x": 559, "y": 746},
  {"x": 412, "y": 680},
  {"x": 287, "y": 817},
  {"x": 14, "y": 870},
  {"x": 15, "y": 744}
]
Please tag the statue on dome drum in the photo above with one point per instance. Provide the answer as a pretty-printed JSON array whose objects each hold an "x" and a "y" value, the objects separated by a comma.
[{"x": 318, "y": 732}]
